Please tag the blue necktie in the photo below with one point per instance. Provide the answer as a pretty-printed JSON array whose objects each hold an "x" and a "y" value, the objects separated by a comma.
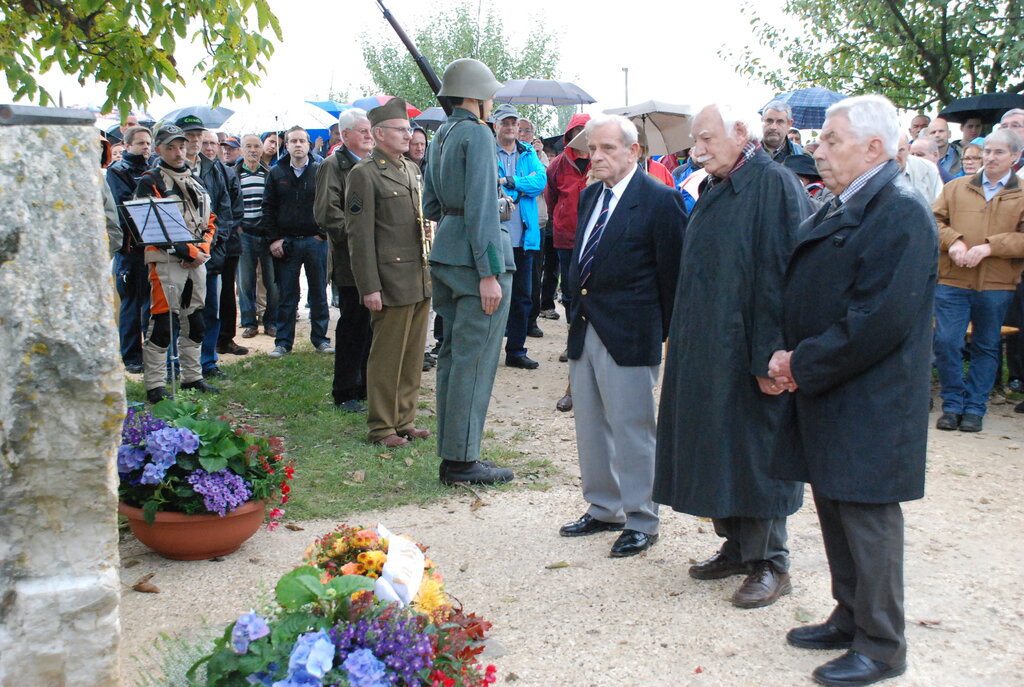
[{"x": 587, "y": 256}]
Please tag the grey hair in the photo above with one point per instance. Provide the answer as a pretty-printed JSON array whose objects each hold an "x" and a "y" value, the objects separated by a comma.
[
  {"x": 1011, "y": 113},
  {"x": 626, "y": 127},
  {"x": 930, "y": 143},
  {"x": 349, "y": 118},
  {"x": 870, "y": 116},
  {"x": 780, "y": 106},
  {"x": 1008, "y": 137},
  {"x": 732, "y": 116}
]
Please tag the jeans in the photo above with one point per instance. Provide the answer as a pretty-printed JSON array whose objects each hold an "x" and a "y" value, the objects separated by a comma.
[
  {"x": 211, "y": 323},
  {"x": 519, "y": 309},
  {"x": 131, "y": 278},
  {"x": 309, "y": 253},
  {"x": 256, "y": 250},
  {"x": 954, "y": 309},
  {"x": 564, "y": 258}
]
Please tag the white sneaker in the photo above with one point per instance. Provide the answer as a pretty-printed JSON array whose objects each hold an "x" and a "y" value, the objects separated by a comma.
[
  {"x": 278, "y": 352},
  {"x": 325, "y": 348}
]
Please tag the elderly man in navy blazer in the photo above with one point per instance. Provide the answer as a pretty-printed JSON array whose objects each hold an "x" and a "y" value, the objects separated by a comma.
[{"x": 623, "y": 271}]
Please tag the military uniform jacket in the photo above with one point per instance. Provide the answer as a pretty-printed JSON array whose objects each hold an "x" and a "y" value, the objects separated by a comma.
[
  {"x": 384, "y": 225},
  {"x": 462, "y": 177}
]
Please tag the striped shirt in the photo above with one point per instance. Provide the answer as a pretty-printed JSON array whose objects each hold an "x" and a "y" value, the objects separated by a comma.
[
  {"x": 252, "y": 184},
  {"x": 859, "y": 183}
]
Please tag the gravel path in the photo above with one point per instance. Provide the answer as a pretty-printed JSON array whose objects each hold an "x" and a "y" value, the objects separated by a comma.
[{"x": 642, "y": 620}]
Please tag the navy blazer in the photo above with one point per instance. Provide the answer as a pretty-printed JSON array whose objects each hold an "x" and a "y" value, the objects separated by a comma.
[{"x": 629, "y": 295}]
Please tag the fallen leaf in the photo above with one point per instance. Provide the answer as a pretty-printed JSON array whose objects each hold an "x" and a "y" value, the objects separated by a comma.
[
  {"x": 803, "y": 615},
  {"x": 132, "y": 563},
  {"x": 511, "y": 677},
  {"x": 464, "y": 567},
  {"x": 700, "y": 530},
  {"x": 293, "y": 527},
  {"x": 383, "y": 455},
  {"x": 983, "y": 500},
  {"x": 477, "y": 505},
  {"x": 929, "y": 623},
  {"x": 555, "y": 566},
  {"x": 255, "y": 561},
  {"x": 510, "y": 600},
  {"x": 359, "y": 476},
  {"x": 144, "y": 585},
  {"x": 699, "y": 670}
]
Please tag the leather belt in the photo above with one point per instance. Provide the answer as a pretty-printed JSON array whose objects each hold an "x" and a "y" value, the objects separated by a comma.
[{"x": 454, "y": 212}]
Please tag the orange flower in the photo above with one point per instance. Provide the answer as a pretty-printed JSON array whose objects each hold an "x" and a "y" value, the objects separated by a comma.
[
  {"x": 364, "y": 539},
  {"x": 352, "y": 569},
  {"x": 373, "y": 561}
]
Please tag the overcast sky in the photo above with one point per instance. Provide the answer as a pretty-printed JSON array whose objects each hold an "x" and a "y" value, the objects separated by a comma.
[{"x": 670, "y": 47}]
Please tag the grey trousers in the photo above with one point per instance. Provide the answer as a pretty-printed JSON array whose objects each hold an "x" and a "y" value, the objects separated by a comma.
[
  {"x": 754, "y": 539},
  {"x": 468, "y": 358},
  {"x": 615, "y": 436},
  {"x": 864, "y": 546}
]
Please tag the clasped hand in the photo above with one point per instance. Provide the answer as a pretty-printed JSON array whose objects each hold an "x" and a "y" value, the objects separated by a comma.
[{"x": 781, "y": 378}]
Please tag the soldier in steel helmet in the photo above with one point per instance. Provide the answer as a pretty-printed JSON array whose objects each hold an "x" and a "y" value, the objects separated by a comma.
[{"x": 471, "y": 265}]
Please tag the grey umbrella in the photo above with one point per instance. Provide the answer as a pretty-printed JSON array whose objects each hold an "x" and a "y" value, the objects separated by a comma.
[
  {"x": 666, "y": 126},
  {"x": 431, "y": 118},
  {"x": 542, "y": 92},
  {"x": 212, "y": 117}
]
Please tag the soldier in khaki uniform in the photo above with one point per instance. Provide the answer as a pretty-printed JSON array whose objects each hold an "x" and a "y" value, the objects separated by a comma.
[
  {"x": 472, "y": 266},
  {"x": 384, "y": 223}
]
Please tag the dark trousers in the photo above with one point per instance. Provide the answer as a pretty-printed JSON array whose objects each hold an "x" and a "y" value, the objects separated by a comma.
[
  {"x": 131, "y": 278},
  {"x": 352, "y": 337},
  {"x": 751, "y": 540},
  {"x": 519, "y": 309},
  {"x": 864, "y": 546},
  {"x": 545, "y": 275},
  {"x": 228, "y": 309},
  {"x": 1015, "y": 343},
  {"x": 302, "y": 253},
  {"x": 211, "y": 322},
  {"x": 564, "y": 258}
]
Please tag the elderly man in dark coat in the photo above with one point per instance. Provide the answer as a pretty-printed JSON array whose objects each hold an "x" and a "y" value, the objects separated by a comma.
[
  {"x": 716, "y": 426},
  {"x": 858, "y": 321}
]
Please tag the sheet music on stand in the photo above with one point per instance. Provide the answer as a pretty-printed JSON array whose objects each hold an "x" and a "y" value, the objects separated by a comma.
[{"x": 159, "y": 221}]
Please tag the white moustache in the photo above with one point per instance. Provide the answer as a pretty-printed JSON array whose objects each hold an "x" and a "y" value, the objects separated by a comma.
[{"x": 704, "y": 158}]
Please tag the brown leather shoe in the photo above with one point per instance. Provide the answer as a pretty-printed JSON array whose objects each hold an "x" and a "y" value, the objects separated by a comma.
[
  {"x": 415, "y": 433},
  {"x": 763, "y": 587},
  {"x": 718, "y": 567},
  {"x": 392, "y": 441},
  {"x": 564, "y": 404}
]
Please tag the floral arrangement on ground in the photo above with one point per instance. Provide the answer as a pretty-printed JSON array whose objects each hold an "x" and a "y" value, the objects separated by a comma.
[
  {"x": 175, "y": 457},
  {"x": 366, "y": 609}
]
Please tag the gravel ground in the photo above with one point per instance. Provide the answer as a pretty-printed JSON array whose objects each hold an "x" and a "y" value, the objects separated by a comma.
[{"x": 642, "y": 620}]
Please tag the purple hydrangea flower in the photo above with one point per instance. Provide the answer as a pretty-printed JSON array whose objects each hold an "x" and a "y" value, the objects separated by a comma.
[
  {"x": 152, "y": 474},
  {"x": 264, "y": 677},
  {"x": 222, "y": 491},
  {"x": 364, "y": 670},
  {"x": 397, "y": 642},
  {"x": 129, "y": 458},
  {"x": 248, "y": 628},
  {"x": 311, "y": 658}
]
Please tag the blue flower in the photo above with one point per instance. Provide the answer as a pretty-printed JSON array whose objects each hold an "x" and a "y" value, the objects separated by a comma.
[
  {"x": 311, "y": 658},
  {"x": 129, "y": 458},
  {"x": 365, "y": 670},
  {"x": 264, "y": 677},
  {"x": 248, "y": 628},
  {"x": 152, "y": 474}
]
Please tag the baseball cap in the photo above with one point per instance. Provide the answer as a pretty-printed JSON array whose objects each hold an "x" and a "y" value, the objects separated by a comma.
[
  {"x": 231, "y": 142},
  {"x": 168, "y": 133},
  {"x": 504, "y": 111},
  {"x": 190, "y": 123}
]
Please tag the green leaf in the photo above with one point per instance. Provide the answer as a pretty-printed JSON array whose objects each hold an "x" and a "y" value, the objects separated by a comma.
[
  {"x": 149, "y": 510},
  {"x": 345, "y": 586},
  {"x": 300, "y": 587},
  {"x": 293, "y": 624},
  {"x": 213, "y": 463}
]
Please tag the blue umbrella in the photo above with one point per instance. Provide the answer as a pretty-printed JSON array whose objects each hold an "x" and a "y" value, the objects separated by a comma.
[
  {"x": 330, "y": 106},
  {"x": 212, "y": 117},
  {"x": 809, "y": 105}
]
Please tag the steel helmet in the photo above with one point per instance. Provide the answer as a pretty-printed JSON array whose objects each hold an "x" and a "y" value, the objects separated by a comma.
[{"x": 468, "y": 78}]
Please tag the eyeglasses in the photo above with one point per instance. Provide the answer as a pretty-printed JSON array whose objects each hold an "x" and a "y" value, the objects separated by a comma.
[
  {"x": 526, "y": 131},
  {"x": 975, "y": 158},
  {"x": 402, "y": 129}
]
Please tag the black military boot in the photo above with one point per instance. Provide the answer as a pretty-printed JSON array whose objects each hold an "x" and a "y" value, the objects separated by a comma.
[{"x": 473, "y": 472}]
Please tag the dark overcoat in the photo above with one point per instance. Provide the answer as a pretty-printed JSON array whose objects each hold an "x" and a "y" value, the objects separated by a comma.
[
  {"x": 716, "y": 430},
  {"x": 858, "y": 316}
]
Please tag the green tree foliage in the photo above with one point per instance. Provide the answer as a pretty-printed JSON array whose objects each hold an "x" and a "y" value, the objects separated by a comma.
[
  {"x": 915, "y": 52},
  {"x": 456, "y": 32},
  {"x": 129, "y": 45}
]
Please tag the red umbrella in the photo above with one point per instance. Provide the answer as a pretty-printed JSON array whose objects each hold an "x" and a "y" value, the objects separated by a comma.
[{"x": 373, "y": 101}]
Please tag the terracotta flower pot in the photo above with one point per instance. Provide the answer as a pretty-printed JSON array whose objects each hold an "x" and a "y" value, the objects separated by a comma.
[{"x": 195, "y": 537}]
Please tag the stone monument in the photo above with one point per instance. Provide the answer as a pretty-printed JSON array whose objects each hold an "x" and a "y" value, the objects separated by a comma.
[{"x": 61, "y": 406}]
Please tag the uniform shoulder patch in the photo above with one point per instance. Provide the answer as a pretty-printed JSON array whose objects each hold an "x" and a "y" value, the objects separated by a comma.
[{"x": 355, "y": 204}]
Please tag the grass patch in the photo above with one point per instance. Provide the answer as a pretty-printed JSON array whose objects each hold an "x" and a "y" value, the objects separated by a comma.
[{"x": 337, "y": 471}]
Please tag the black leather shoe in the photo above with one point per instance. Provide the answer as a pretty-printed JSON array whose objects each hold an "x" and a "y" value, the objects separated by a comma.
[
  {"x": 233, "y": 348},
  {"x": 201, "y": 385},
  {"x": 535, "y": 331},
  {"x": 157, "y": 394},
  {"x": 948, "y": 421},
  {"x": 134, "y": 368},
  {"x": 763, "y": 587},
  {"x": 854, "y": 669},
  {"x": 823, "y": 636},
  {"x": 473, "y": 472},
  {"x": 521, "y": 361},
  {"x": 970, "y": 423},
  {"x": 1019, "y": 408},
  {"x": 718, "y": 567},
  {"x": 214, "y": 372},
  {"x": 587, "y": 525},
  {"x": 631, "y": 542},
  {"x": 351, "y": 406}
]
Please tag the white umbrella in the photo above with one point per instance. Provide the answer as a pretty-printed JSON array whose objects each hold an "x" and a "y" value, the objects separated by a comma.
[
  {"x": 542, "y": 92},
  {"x": 255, "y": 120},
  {"x": 666, "y": 126}
]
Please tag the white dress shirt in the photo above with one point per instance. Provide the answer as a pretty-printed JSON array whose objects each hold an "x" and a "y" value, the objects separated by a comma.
[{"x": 617, "y": 191}]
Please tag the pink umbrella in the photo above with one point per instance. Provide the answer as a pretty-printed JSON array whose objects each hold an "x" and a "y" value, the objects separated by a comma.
[{"x": 373, "y": 101}]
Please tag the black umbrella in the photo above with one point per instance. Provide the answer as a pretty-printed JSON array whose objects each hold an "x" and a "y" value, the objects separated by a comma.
[
  {"x": 431, "y": 118},
  {"x": 990, "y": 107},
  {"x": 212, "y": 117}
]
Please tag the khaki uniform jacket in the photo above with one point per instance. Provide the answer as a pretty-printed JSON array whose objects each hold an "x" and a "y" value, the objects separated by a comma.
[
  {"x": 462, "y": 176},
  {"x": 384, "y": 225},
  {"x": 963, "y": 213},
  {"x": 329, "y": 211}
]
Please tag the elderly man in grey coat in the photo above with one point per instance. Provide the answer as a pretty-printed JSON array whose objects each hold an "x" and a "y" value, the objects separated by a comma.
[
  {"x": 715, "y": 425},
  {"x": 858, "y": 321}
]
